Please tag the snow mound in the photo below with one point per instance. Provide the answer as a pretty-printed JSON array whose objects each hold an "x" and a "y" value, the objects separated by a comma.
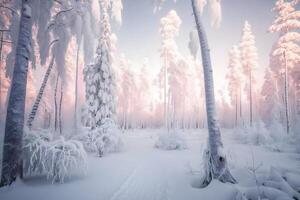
[
  {"x": 171, "y": 141},
  {"x": 56, "y": 159}
]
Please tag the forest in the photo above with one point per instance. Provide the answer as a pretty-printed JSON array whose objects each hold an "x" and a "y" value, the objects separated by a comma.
[{"x": 149, "y": 99}]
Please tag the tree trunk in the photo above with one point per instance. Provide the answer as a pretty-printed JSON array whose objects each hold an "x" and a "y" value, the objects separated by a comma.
[
  {"x": 286, "y": 96},
  {"x": 236, "y": 108},
  {"x": 250, "y": 96},
  {"x": 216, "y": 162},
  {"x": 166, "y": 114},
  {"x": 11, "y": 163},
  {"x": 40, "y": 95},
  {"x": 55, "y": 104},
  {"x": 60, "y": 107},
  {"x": 1, "y": 45},
  {"x": 76, "y": 84}
]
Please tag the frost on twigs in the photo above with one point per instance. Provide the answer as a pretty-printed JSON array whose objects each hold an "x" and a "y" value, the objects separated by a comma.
[
  {"x": 58, "y": 159},
  {"x": 171, "y": 141},
  {"x": 256, "y": 135},
  {"x": 275, "y": 187}
]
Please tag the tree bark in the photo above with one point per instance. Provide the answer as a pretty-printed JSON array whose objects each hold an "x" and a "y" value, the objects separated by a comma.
[
  {"x": 11, "y": 163},
  {"x": 40, "y": 95},
  {"x": 60, "y": 107},
  {"x": 55, "y": 104},
  {"x": 216, "y": 166},
  {"x": 76, "y": 84},
  {"x": 250, "y": 96},
  {"x": 286, "y": 96}
]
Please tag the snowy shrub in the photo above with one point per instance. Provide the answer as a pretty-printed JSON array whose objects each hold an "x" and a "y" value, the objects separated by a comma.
[
  {"x": 171, "y": 141},
  {"x": 63, "y": 158},
  {"x": 35, "y": 144},
  {"x": 57, "y": 159},
  {"x": 104, "y": 139},
  {"x": 256, "y": 135},
  {"x": 277, "y": 131}
]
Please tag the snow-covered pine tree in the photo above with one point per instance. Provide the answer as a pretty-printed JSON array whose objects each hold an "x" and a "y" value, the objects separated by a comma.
[
  {"x": 234, "y": 79},
  {"x": 287, "y": 48},
  {"x": 100, "y": 77},
  {"x": 249, "y": 62},
  {"x": 269, "y": 97},
  {"x": 100, "y": 87},
  {"x": 169, "y": 28}
]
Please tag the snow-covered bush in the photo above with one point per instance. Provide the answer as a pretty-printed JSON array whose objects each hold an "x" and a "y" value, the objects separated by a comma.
[
  {"x": 56, "y": 159},
  {"x": 276, "y": 186},
  {"x": 277, "y": 131},
  {"x": 256, "y": 134},
  {"x": 35, "y": 144},
  {"x": 172, "y": 140},
  {"x": 63, "y": 159},
  {"x": 104, "y": 139}
]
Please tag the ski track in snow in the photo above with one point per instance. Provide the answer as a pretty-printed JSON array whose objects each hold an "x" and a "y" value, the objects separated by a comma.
[{"x": 148, "y": 182}]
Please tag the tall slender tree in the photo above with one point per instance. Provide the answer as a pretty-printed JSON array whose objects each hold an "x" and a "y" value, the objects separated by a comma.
[
  {"x": 11, "y": 164},
  {"x": 249, "y": 62},
  {"x": 216, "y": 161},
  {"x": 234, "y": 79},
  {"x": 286, "y": 50}
]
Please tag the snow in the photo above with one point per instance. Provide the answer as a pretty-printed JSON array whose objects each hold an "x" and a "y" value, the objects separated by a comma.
[
  {"x": 173, "y": 140},
  {"x": 141, "y": 171}
]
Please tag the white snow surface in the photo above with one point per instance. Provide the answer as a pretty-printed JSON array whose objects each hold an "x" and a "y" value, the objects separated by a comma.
[{"x": 143, "y": 172}]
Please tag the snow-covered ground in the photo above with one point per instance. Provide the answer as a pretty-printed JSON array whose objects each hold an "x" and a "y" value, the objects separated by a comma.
[{"x": 142, "y": 172}]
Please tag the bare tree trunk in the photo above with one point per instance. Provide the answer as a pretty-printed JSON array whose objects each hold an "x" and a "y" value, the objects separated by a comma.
[
  {"x": 76, "y": 84},
  {"x": 40, "y": 95},
  {"x": 1, "y": 45},
  {"x": 55, "y": 104},
  {"x": 236, "y": 109},
  {"x": 12, "y": 162},
  {"x": 60, "y": 107},
  {"x": 250, "y": 96},
  {"x": 216, "y": 162},
  {"x": 166, "y": 114},
  {"x": 286, "y": 96}
]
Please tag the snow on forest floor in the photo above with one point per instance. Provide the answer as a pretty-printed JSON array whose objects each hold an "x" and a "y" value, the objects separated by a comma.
[{"x": 142, "y": 172}]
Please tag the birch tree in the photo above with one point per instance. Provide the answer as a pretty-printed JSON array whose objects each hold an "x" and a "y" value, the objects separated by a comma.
[
  {"x": 11, "y": 164},
  {"x": 216, "y": 166}
]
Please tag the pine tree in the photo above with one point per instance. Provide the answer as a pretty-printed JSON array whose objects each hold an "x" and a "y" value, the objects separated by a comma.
[
  {"x": 99, "y": 77},
  {"x": 286, "y": 50},
  {"x": 169, "y": 27},
  {"x": 249, "y": 61},
  {"x": 269, "y": 97},
  {"x": 234, "y": 79}
]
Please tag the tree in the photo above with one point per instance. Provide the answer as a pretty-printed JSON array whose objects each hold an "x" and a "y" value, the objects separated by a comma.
[
  {"x": 11, "y": 164},
  {"x": 99, "y": 77},
  {"x": 169, "y": 28},
  {"x": 234, "y": 79},
  {"x": 41, "y": 91},
  {"x": 286, "y": 49},
  {"x": 216, "y": 161},
  {"x": 249, "y": 62},
  {"x": 269, "y": 97}
]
